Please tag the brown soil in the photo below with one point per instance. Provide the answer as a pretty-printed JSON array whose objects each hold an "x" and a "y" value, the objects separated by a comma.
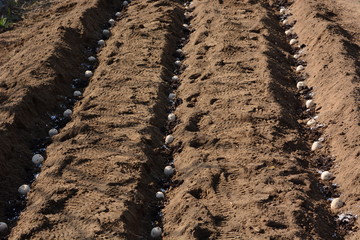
[{"x": 244, "y": 169}]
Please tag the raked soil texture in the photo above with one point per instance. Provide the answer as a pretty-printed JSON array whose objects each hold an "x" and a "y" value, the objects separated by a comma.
[{"x": 243, "y": 127}]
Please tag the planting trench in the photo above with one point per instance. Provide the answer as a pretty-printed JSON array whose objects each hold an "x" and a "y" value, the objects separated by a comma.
[{"x": 244, "y": 169}]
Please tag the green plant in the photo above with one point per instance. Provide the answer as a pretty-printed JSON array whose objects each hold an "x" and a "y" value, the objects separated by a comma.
[{"x": 4, "y": 22}]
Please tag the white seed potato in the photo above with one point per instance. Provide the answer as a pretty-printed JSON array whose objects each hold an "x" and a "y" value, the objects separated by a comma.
[
  {"x": 321, "y": 139},
  {"x": 293, "y": 41},
  {"x": 316, "y": 145},
  {"x": 326, "y": 176},
  {"x": 77, "y": 94},
  {"x": 169, "y": 170},
  {"x": 92, "y": 59},
  {"x": 311, "y": 122},
  {"x": 172, "y": 96},
  {"x": 178, "y": 63},
  {"x": 283, "y": 10},
  {"x": 112, "y": 22},
  {"x": 288, "y": 32},
  {"x": 169, "y": 139},
  {"x": 185, "y": 25},
  {"x": 300, "y": 68},
  {"x": 24, "y": 189},
  {"x": 37, "y": 159},
  {"x": 3, "y": 227},
  {"x": 309, "y": 103},
  {"x": 160, "y": 195},
  {"x": 125, "y": 3},
  {"x": 106, "y": 33},
  {"x": 53, "y": 132},
  {"x": 67, "y": 113},
  {"x": 171, "y": 117},
  {"x": 117, "y": 14},
  {"x": 183, "y": 39},
  {"x": 179, "y": 51},
  {"x": 286, "y": 21},
  {"x": 300, "y": 85},
  {"x": 88, "y": 73},
  {"x": 175, "y": 78},
  {"x": 156, "y": 232},
  {"x": 101, "y": 42},
  {"x": 336, "y": 203},
  {"x": 297, "y": 56}
]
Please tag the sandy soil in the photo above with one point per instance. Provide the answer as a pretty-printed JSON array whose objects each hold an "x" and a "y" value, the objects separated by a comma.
[{"x": 244, "y": 168}]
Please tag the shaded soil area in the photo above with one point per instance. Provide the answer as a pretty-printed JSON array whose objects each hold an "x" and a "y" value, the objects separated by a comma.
[{"x": 244, "y": 168}]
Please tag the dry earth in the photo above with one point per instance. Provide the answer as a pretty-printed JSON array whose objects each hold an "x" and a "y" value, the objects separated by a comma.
[{"x": 244, "y": 168}]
